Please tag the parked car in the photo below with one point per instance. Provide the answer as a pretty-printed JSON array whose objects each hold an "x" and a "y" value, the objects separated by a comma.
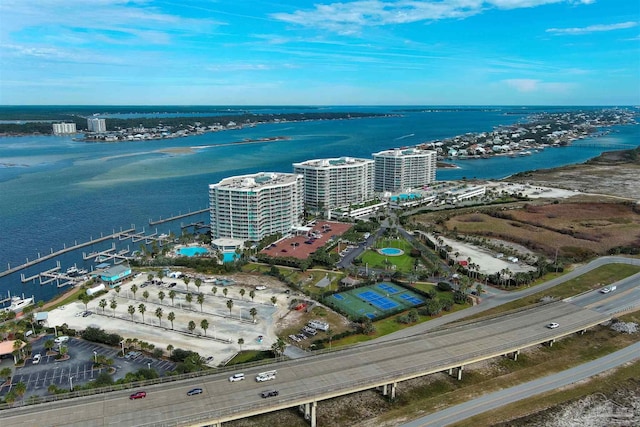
[
  {"x": 138, "y": 395},
  {"x": 194, "y": 391},
  {"x": 552, "y": 325},
  {"x": 36, "y": 359},
  {"x": 261, "y": 288},
  {"x": 236, "y": 377},
  {"x": 269, "y": 393},
  {"x": 61, "y": 339}
]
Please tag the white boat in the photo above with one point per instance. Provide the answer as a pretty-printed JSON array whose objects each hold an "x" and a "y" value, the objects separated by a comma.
[
  {"x": 19, "y": 304},
  {"x": 72, "y": 270}
]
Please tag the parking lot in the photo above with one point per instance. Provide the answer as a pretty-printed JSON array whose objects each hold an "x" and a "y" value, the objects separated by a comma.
[{"x": 78, "y": 370}]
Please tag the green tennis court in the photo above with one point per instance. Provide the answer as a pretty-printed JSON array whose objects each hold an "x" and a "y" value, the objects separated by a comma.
[{"x": 374, "y": 301}]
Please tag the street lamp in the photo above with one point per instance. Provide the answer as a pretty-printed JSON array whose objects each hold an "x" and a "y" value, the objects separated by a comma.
[
  {"x": 70, "y": 383},
  {"x": 148, "y": 365},
  {"x": 95, "y": 356},
  {"x": 55, "y": 330},
  {"x": 122, "y": 345}
]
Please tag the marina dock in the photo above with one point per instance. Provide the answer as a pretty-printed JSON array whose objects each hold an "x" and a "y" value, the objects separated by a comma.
[
  {"x": 64, "y": 250},
  {"x": 173, "y": 218}
]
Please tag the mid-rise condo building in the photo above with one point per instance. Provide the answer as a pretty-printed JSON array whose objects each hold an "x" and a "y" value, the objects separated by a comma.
[
  {"x": 62, "y": 128},
  {"x": 95, "y": 124},
  {"x": 250, "y": 207},
  {"x": 402, "y": 169},
  {"x": 336, "y": 183}
]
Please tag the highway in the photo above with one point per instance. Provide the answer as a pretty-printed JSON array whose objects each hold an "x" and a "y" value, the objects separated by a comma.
[
  {"x": 314, "y": 378},
  {"x": 506, "y": 396}
]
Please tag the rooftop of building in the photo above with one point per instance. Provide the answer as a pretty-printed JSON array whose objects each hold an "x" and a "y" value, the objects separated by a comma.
[
  {"x": 399, "y": 152},
  {"x": 333, "y": 162},
  {"x": 256, "y": 181}
]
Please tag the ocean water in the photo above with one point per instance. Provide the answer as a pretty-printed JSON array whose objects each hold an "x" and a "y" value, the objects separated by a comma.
[{"x": 55, "y": 191}]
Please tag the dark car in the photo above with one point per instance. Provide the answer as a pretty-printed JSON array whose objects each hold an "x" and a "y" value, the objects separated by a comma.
[
  {"x": 194, "y": 391},
  {"x": 138, "y": 395},
  {"x": 269, "y": 393},
  {"x": 87, "y": 313}
]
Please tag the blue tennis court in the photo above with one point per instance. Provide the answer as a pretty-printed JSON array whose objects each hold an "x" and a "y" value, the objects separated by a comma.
[
  {"x": 386, "y": 287},
  {"x": 338, "y": 297},
  {"x": 412, "y": 299},
  {"x": 377, "y": 300}
]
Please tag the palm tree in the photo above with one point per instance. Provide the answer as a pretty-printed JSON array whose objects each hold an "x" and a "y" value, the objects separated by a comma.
[
  {"x": 189, "y": 298},
  {"x": 278, "y": 347},
  {"x": 172, "y": 295},
  {"x": 171, "y": 316},
  {"x": 17, "y": 349},
  {"x": 159, "y": 315},
  {"x": 20, "y": 389},
  {"x": 274, "y": 300},
  {"x": 161, "y": 296},
  {"x": 229, "y": 305},
  {"x": 192, "y": 326},
  {"x": 198, "y": 283},
  {"x": 134, "y": 289},
  {"x": 113, "y": 306},
  {"x": 150, "y": 276},
  {"x": 225, "y": 291},
  {"x": 170, "y": 349},
  {"x": 200, "y": 300},
  {"x": 142, "y": 308},
  {"x": 145, "y": 295},
  {"x": 118, "y": 289},
  {"x": 240, "y": 342},
  {"x": 85, "y": 299},
  {"x": 242, "y": 292},
  {"x": 160, "y": 273},
  {"x": 204, "y": 324},
  {"x": 131, "y": 310},
  {"x": 103, "y": 304},
  {"x": 253, "y": 312},
  {"x": 48, "y": 345},
  {"x": 214, "y": 290},
  {"x": 186, "y": 280},
  {"x": 252, "y": 294}
]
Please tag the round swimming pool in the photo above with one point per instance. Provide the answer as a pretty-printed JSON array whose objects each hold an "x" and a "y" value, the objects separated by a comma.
[
  {"x": 391, "y": 251},
  {"x": 193, "y": 251}
]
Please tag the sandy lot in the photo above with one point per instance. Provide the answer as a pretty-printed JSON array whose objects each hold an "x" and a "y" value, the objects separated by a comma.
[{"x": 221, "y": 340}]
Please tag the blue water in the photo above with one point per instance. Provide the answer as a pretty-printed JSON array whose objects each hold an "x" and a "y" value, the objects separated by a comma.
[
  {"x": 193, "y": 251},
  {"x": 229, "y": 256},
  {"x": 55, "y": 191},
  {"x": 390, "y": 251}
]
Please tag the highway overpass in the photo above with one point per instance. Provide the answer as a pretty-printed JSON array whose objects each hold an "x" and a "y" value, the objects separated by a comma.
[{"x": 304, "y": 382}]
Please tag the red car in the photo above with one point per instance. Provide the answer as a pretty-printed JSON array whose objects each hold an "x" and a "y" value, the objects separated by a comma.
[{"x": 138, "y": 395}]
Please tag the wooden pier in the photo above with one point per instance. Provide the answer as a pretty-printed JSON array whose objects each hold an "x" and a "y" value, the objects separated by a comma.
[
  {"x": 173, "y": 218},
  {"x": 62, "y": 251}
]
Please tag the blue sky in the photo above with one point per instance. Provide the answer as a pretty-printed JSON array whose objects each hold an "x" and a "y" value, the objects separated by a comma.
[{"x": 320, "y": 52}]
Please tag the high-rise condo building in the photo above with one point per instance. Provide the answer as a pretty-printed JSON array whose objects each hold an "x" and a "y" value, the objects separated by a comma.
[
  {"x": 62, "y": 128},
  {"x": 95, "y": 124},
  {"x": 402, "y": 169},
  {"x": 336, "y": 183},
  {"x": 250, "y": 207}
]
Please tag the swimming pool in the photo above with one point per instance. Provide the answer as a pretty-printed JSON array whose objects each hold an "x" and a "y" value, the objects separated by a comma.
[
  {"x": 391, "y": 251},
  {"x": 193, "y": 251},
  {"x": 229, "y": 256}
]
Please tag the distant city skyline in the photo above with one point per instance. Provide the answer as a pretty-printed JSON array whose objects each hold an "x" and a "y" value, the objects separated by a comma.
[{"x": 320, "y": 52}]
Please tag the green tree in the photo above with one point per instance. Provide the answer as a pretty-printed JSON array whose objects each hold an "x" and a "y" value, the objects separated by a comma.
[
  {"x": 279, "y": 347},
  {"x": 225, "y": 291},
  {"x": 142, "y": 308},
  {"x": 159, "y": 315},
  {"x": 242, "y": 292},
  {"x": 214, "y": 290},
  {"x": 204, "y": 324},
  {"x": 48, "y": 345},
  {"x": 161, "y": 296},
  {"x": 189, "y": 298},
  {"x": 230, "y": 306},
  {"x": 150, "y": 276},
  {"x": 134, "y": 289},
  {"x": 253, "y": 312},
  {"x": 274, "y": 300},
  {"x": 145, "y": 295},
  {"x": 118, "y": 289},
  {"x": 113, "y": 306},
  {"x": 192, "y": 326},
  {"x": 171, "y": 316},
  {"x": 252, "y": 294},
  {"x": 170, "y": 347},
  {"x": 102, "y": 304},
  {"x": 200, "y": 300},
  {"x": 6, "y": 373},
  {"x": 186, "y": 280},
  {"x": 198, "y": 282},
  {"x": 172, "y": 295},
  {"x": 85, "y": 300},
  {"x": 240, "y": 343},
  {"x": 131, "y": 310}
]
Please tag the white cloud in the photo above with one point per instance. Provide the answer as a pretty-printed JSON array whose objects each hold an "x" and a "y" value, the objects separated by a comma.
[
  {"x": 534, "y": 85},
  {"x": 593, "y": 28},
  {"x": 349, "y": 18}
]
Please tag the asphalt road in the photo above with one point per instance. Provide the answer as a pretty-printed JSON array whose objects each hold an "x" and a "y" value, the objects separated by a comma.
[
  {"x": 506, "y": 396},
  {"x": 321, "y": 376}
]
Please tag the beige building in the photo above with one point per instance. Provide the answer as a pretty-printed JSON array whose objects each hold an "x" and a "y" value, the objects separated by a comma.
[{"x": 403, "y": 169}]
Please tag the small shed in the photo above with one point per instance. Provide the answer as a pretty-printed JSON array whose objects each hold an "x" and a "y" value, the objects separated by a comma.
[{"x": 349, "y": 282}]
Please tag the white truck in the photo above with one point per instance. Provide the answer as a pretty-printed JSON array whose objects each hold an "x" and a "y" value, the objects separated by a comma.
[{"x": 266, "y": 376}]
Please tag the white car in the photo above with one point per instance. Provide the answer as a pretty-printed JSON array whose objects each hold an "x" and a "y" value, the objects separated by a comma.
[
  {"x": 552, "y": 325},
  {"x": 36, "y": 359},
  {"x": 236, "y": 377},
  {"x": 607, "y": 289},
  {"x": 261, "y": 288}
]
